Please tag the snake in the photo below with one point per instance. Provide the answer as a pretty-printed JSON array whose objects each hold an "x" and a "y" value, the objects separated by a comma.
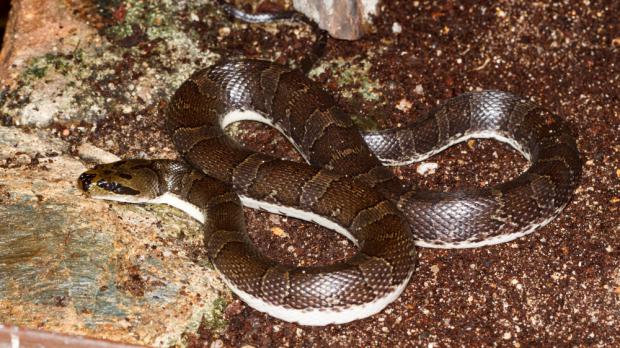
[{"x": 344, "y": 184}]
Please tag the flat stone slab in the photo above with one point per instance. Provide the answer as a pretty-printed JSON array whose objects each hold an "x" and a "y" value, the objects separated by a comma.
[{"x": 82, "y": 266}]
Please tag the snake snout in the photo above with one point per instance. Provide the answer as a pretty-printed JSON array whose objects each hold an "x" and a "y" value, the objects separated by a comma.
[{"x": 85, "y": 180}]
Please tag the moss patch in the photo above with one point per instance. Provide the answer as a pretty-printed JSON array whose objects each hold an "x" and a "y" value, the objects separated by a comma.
[{"x": 215, "y": 321}]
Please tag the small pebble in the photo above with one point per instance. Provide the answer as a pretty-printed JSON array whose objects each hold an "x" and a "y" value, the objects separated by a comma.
[
  {"x": 425, "y": 168},
  {"x": 224, "y": 31},
  {"x": 279, "y": 232},
  {"x": 90, "y": 152},
  {"x": 404, "y": 105},
  {"x": 396, "y": 28}
]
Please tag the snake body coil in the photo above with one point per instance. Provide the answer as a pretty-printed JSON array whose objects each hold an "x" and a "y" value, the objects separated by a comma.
[{"x": 344, "y": 187}]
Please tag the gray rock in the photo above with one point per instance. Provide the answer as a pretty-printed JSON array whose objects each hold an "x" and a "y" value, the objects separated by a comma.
[
  {"x": 81, "y": 266},
  {"x": 343, "y": 19}
]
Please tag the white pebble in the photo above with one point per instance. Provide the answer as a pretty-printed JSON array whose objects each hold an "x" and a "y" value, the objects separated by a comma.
[
  {"x": 425, "y": 168},
  {"x": 396, "y": 28}
]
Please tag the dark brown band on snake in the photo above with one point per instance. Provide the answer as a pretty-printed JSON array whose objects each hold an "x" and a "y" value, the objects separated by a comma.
[
  {"x": 344, "y": 187},
  {"x": 327, "y": 138}
]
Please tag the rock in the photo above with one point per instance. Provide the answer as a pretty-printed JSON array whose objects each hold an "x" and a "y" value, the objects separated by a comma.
[
  {"x": 90, "y": 152},
  {"x": 81, "y": 266},
  {"x": 345, "y": 19},
  {"x": 426, "y": 168},
  {"x": 69, "y": 264},
  {"x": 55, "y": 67},
  {"x": 35, "y": 26}
]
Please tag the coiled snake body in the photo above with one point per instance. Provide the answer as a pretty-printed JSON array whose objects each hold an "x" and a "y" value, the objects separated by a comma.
[{"x": 344, "y": 187}]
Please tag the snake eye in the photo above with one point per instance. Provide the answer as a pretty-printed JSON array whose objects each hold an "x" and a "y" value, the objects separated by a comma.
[
  {"x": 104, "y": 184},
  {"x": 86, "y": 180},
  {"x": 117, "y": 188}
]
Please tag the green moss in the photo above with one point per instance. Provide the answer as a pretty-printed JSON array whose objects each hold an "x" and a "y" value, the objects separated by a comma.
[
  {"x": 125, "y": 27},
  {"x": 355, "y": 85},
  {"x": 62, "y": 64},
  {"x": 365, "y": 122},
  {"x": 355, "y": 74},
  {"x": 35, "y": 71},
  {"x": 154, "y": 17},
  {"x": 96, "y": 79},
  {"x": 215, "y": 321}
]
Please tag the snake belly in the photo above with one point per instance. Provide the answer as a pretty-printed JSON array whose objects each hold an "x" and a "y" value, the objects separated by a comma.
[{"x": 344, "y": 186}]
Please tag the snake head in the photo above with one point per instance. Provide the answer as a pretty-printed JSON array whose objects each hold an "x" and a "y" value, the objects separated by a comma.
[{"x": 134, "y": 181}]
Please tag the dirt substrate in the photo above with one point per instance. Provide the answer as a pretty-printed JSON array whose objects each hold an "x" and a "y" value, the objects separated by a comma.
[{"x": 557, "y": 287}]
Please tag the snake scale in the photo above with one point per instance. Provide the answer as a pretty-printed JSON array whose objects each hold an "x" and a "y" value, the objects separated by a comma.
[{"x": 344, "y": 186}]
